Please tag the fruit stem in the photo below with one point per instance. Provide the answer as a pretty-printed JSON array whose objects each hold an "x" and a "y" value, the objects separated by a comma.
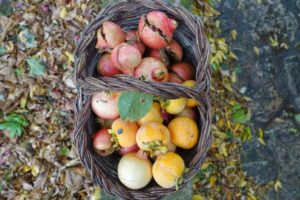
[{"x": 142, "y": 154}]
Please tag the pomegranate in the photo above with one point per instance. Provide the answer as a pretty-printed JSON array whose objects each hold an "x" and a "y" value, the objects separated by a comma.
[
  {"x": 109, "y": 35},
  {"x": 175, "y": 78},
  {"x": 152, "y": 69},
  {"x": 106, "y": 67},
  {"x": 156, "y": 29},
  {"x": 183, "y": 70},
  {"x": 188, "y": 112},
  {"x": 125, "y": 150},
  {"x": 161, "y": 55},
  {"x": 166, "y": 116},
  {"x": 175, "y": 51},
  {"x": 133, "y": 39},
  {"x": 126, "y": 57},
  {"x": 105, "y": 105},
  {"x": 102, "y": 142}
]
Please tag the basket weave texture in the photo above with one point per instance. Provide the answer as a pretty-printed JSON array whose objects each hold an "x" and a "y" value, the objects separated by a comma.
[{"x": 190, "y": 34}]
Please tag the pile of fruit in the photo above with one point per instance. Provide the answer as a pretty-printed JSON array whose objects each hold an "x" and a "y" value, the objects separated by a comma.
[{"x": 148, "y": 138}]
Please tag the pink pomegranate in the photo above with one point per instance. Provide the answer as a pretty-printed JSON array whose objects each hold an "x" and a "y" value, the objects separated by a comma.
[
  {"x": 188, "y": 112},
  {"x": 175, "y": 51},
  {"x": 109, "y": 35},
  {"x": 156, "y": 29},
  {"x": 126, "y": 150},
  {"x": 105, "y": 105},
  {"x": 102, "y": 142},
  {"x": 152, "y": 69},
  {"x": 133, "y": 39},
  {"x": 183, "y": 70},
  {"x": 161, "y": 55},
  {"x": 175, "y": 78},
  {"x": 106, "y": 67},
  {"x": 126, "y": 57}
]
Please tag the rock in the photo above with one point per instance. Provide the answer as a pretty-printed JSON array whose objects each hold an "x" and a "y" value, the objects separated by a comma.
[
  {"x": 260, "y": 164},
  {"x": 288, "y": 80},
  {"x": 278, "y": 160},
  {"x": 266, "y": 104},
  {"x": 185, "y": 193},
  {"x": 271, "y": 78}
]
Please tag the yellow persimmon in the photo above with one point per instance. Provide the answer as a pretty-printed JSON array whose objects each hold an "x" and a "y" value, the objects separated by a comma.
[
  {"x": 175, "y": 106},
  {"x": 168, "y": 169},
  {"x": 152, "y": 116},
  {"x": 190, "y": 102},
  {"x": 153, "y": 137},
  {"x": 125, "y": 132},
  {"x": 184, "y": 132}
]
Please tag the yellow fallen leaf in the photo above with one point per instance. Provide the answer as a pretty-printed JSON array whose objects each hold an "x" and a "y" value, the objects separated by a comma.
[
  {"x": 261, "y": 136},
  {"x": 70, "y": 57},
  {"x": 251, "y": 196},
  {"x": 26, "y": 168},
  {"x": 205, "y": 165},
  {"x": 212, "y": 181},
  {"x": 223, "y": 149},
  {"x": 198, "y": 197},
  {"x": 274, "y": 41},
  {"x": 233, "y": 34},
  {"x": 277, "y": 185},
  {"x": 256, "y": 50},
  {"x": 63, "y": 13},
  {"x": 233, "y": 56},
  {"x": 96, "y": 194},
  {"x": 284, "y": 45},
  {"x": 35, "y": 170},
  {"x": 23, "y": 101}
]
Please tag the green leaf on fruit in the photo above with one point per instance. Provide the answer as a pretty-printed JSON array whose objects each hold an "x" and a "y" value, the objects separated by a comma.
[
  {"x": 134, "y": 105},
  {"x": 36, "y": 68}
]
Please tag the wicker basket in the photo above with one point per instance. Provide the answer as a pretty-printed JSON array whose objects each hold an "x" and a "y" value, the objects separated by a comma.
[{"x": 190, "y": 35}]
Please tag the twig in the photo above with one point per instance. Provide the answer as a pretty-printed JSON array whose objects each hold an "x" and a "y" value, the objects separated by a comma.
[{"x": 9, "y": 25}]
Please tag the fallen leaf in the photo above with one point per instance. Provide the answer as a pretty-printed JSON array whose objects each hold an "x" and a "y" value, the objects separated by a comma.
[
  {"x": 277, "y": 185},
  {"x": 233, "y": 34},
  {"x": 27, "y": 38},
  {"x": 36, "y": 68}
]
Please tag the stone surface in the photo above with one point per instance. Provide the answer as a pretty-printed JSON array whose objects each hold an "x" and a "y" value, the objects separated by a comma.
[
  {"x": 270, "y": 75},
  {"x": 290, "y": 85}
]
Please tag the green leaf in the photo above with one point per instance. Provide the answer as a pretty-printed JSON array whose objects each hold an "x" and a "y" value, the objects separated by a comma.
[
  {"x": 134, "y": 105},
  {"x": 297, "y": 117},
  {"x": 16, "y": 118},
  {"x": 64, "y": 151},
  {"x": 5, "y": 7},
  {"x": 14, "y": 125},
  {"x": 2, "y": 51},
  {"x": 107, "y": 2},
  {"x": 187, "y": 4},
  {"x": 27, "y": 38},
  {"x": 240, "y": 114},
  {"x": 13, "y": 128},
  {"x": 36, "y": 68}
]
